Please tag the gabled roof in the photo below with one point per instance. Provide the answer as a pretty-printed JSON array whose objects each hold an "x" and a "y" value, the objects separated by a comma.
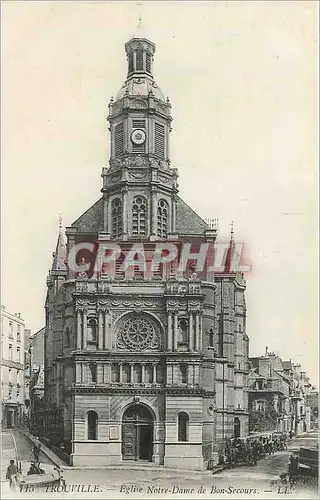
[
  {"x": 187, "y": 222},
  {"x": 91, "y": 221}
]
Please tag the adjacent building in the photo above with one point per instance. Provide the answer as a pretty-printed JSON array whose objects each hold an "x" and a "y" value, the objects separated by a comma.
[
  {"x": 36, "y": 389},
  {"x": 143, "y": 365},
  {"x": 12, "y": 369},
  {"x": 278, "y": 395}
]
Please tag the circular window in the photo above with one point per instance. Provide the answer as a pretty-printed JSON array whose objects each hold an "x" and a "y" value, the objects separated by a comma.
[{"x": 138, "y": 333}]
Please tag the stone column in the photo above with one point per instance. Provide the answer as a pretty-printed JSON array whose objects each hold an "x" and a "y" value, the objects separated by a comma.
[
  {"x": 106, "y": 214},
  {"x": 142, "y": 373},
  {"x": 197, "y": 331},
  {"x": 154, "y": 374},
  {"x": 124, "y": 193},
  {"x": 120, "y": 373},
  {"x": 131, "y": 373},
  {"x": 200, "y": 333},
  {"x": 154, "y": 212},
  {"x": 107, "y": 335},
  {"x": 79, "y": 330},
  {"x": 100, "y": 330},
  {"x": 78, "y": 373},
  {"x": 84, "y": 327},
  {"x": 175, "y": 331},
  {"x": 191, "y": 339},
  {"x": 169, "y": 337}
]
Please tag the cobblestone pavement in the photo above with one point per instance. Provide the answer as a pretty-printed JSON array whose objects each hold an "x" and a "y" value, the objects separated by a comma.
[{"x": 138, "y": 481}]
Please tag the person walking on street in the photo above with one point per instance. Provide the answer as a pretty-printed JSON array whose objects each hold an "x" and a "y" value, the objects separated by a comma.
[
  {"x": 12, "y": 472},
  {"x": 36, "y": 450}
]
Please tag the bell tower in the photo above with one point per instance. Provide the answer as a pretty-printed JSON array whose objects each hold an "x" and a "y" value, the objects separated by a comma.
[{"x": 139, "y": 187}]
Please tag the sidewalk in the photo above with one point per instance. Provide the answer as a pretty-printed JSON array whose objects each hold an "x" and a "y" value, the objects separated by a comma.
[{"x": 46, "y": 451}]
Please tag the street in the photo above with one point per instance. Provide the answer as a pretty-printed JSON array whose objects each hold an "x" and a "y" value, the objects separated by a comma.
[{"x": 146, "y": 481}]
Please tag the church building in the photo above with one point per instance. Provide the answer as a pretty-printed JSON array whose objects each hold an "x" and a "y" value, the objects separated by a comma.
[{"x": 143, "y": 366}]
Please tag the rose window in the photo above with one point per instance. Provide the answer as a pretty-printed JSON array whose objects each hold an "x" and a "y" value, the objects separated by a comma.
[{"x": 138, "y": 333}]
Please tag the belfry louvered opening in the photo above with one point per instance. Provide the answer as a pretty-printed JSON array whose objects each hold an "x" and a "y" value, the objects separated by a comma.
[
  {"x": 159, "y": 140},
  {"x": 119, "y": 139}
]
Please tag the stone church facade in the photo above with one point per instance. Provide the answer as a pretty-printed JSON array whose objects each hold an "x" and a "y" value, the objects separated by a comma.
[{"x": 139, "y": 365}]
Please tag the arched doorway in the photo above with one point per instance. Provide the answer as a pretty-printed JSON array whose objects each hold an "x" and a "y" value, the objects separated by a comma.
[{"x": 137, "y": 433}]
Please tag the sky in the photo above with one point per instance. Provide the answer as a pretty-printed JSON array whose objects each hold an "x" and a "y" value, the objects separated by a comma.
[{"x": 242, "y": 79}]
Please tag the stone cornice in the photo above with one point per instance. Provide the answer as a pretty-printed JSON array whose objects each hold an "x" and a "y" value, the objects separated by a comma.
[{"x": 104, "y": 389}]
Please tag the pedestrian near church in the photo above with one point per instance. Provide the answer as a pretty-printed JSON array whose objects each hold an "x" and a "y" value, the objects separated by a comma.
[
  {"x": 11, "y": 473},
  {"x": 36, "y": 450}
]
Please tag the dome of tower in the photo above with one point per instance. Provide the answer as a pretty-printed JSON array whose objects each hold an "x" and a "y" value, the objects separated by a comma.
[{"x": 140, "y": 87}]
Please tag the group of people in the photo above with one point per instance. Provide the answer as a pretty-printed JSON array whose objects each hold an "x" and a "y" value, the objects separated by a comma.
[
  {"x": 239, "y": 451},
  {"x": 12, "y": 469}
]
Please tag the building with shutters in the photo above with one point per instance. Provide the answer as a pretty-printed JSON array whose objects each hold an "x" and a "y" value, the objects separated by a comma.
[
  {"x": 12, "y": 369},
  {"x": 143, "y": 365}
]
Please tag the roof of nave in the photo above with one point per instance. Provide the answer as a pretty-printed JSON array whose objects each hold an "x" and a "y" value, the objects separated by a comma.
[
  {"x": 188, "y": 222},
  {"x": 91, "y": 221}
]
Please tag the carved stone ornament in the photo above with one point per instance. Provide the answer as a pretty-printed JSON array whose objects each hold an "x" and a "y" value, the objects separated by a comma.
[
  {"x": 138, "y": 104},
  {"x": 137, "y": 333},
  {"x": 137, "y": 175}
]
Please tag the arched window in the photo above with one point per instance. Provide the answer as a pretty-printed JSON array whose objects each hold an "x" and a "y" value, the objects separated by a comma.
[
  {"x": 163, "y": 210},
  {"x": 139, "y": 215},
  {"x": 92, "y": 330},
  {"x": 92, "y": 425},
  {"x": 183, "y": 426},
  {"x": 93, "y": 372},
  {"x": 116, "y": 218},
  {"x": 67, "y": 337},
  {"x": 183, "y": 331}
]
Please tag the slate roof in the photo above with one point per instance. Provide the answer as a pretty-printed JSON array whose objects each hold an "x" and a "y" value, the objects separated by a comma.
[{"x": 188, "y": 222}]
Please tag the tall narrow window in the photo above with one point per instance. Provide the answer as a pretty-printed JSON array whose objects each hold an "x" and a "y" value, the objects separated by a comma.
[
  {"x": 148, "y": 62},
  {"x": 183, "y": 426},
  {"x": 139, "y": 212},
  {"x": 130, "y": 68},
  {"x": 93, "y": 372},
  {"x": 183, "y": 373},
  {"x": 18, "y": 355},
  {"x": 18, "y": 333},
  {"x": 119, "y": 139},
  {"x": 92, "y": 330},
  {"x": 116, "y": 218},
  {"x": 92, "y": 425},
  {"x": 159, "y": 140},
  {"x": 10, "y": 352},
  {"x": 183, "y": 331},
  {"x": 67, "y": 337},
  {"x": 139, "y": 60},
  {"x": 163, "y": 209},
  {"x": 10, "y": 330}
]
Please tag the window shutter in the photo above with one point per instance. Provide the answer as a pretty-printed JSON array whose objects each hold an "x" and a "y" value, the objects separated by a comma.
[
  {"x": 159, "y": 140},
  {"x": 148, "y": 62},
  {"x": 119, "y": 139}
]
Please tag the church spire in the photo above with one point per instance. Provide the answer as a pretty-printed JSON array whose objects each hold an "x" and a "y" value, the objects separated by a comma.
[{"x": 60, "y": 255}]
